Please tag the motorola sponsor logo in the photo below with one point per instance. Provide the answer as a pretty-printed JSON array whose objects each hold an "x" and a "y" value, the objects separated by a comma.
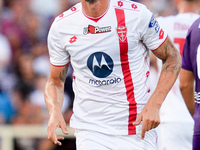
[
  {"x": 105, "y": 82},
  {"x": 101, "y": 65}
]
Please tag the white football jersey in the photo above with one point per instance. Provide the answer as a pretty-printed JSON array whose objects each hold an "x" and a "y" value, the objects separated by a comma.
[
  {"x": 174, "y": 108},
  {"x": 110, "y": 62}
]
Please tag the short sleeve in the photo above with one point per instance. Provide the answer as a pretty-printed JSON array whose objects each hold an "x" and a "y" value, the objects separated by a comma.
[
  {"x": 151, "y": 33},
  {"x": 58, "y": 54},
  {"x": 186, "y": 62}
]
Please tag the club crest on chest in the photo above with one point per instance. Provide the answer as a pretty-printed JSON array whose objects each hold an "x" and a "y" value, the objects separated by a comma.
[{"x": 122, "y": 33}]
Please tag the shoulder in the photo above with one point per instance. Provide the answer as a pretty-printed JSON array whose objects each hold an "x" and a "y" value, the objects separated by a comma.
[
  {"x": 195, "y": 26},
  {"x": 70, "y": 13},
  {"x": 194, "y": 33},
  {"x": 128, "y": 5},
  {"x": 194, "y": 30}
]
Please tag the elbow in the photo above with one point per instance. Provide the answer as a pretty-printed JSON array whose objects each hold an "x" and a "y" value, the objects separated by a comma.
[
  {"x": 179, "y": 60},
  {"x": 185, "y": 86},
  {"x": 173, "y": 62},
  {"x": 182, "y": 86}
]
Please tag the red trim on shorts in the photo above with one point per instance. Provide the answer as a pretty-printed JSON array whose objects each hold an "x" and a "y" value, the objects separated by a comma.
[
  {"x": 127, "y": 75},
  {"x": 160, "y": 44},
  {"x": 60, "y": 65}
]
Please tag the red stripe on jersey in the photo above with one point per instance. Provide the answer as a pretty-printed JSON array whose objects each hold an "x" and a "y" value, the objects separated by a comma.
[{"x": 127, "y": 74}]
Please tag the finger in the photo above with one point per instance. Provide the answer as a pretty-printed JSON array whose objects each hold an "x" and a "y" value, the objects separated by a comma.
[
  {"x": 57, "y": 143},
  {"x": 155, "y": 124},
  {"x": 144, "y": 129},
  {"x": 52, "y": 134},
  {"x": 61, "y": 138},
  {"x": 138, "y": 120},
  {"x": 150, "y": 125},
  {"x": 64, "y": 128}
]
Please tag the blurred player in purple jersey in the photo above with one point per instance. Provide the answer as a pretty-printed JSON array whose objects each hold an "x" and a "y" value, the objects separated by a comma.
[{"x": 190, "y": 72}]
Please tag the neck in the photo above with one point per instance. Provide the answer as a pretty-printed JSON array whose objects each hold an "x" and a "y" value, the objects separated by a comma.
[
  {"x": 185, "y": 7},
  {"x": 95, "y": 9}
]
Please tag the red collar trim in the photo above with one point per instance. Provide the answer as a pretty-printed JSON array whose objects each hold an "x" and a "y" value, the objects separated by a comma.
[{"x": 95, "y": 19}]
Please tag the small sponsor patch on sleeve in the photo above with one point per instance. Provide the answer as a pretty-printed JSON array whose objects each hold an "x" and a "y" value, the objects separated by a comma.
[{"x": 154, "y": 24}]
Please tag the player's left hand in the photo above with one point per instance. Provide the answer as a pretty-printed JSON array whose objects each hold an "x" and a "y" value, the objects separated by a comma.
[{"x": 149, "y": 117}]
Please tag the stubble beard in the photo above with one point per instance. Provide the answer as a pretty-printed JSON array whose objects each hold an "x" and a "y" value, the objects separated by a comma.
[{"x": 91, "y": 1}]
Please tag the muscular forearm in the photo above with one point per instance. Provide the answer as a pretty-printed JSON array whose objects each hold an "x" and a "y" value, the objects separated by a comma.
[
  {"x": 54, "y": 95},
  {"x": 54, "y": 90},
  {"x": 170, "y": 70}
]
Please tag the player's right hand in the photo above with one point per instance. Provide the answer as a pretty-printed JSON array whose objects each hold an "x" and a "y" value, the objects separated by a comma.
[
  {"x": 149, "y": 117},
  {"x": 56, "y": 120}
]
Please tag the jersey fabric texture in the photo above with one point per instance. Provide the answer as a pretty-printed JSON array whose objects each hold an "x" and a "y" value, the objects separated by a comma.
[
  {"x": 110, "y": 62},
  {"x": 191, "y": 62}
]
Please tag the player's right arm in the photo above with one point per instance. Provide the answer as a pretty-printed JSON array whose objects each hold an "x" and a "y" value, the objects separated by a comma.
[
  {"x": 54, "y": 96},
  {"x": 170, "y": 70},
  {"x": 187, "y": 89}
]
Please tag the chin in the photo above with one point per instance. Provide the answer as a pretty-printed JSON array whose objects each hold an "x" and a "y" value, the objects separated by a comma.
[{"x": 91, "y": 1}]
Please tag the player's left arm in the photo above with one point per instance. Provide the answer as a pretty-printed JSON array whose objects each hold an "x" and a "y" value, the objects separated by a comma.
[{"x": 171, "y": 60}]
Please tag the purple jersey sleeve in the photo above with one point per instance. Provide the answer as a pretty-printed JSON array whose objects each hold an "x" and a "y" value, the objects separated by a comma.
[
  {"x": 189, "y": 59},
  {"x": 186, "y": 61},
  {"x": 190, "y": 48}
]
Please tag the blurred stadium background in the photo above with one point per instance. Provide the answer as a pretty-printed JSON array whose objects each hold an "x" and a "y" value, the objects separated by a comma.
[{"x": 24, "y": 68}]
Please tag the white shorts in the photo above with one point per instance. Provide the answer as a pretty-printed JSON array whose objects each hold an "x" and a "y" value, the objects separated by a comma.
[{"x": 93, "y": 140}]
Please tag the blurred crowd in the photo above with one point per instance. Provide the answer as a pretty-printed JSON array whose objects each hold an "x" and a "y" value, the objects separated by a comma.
[{"x": 24, "y": 61}]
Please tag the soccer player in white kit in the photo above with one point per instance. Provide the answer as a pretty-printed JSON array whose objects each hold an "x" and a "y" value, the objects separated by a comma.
[
  {"x": 107, "y": 42},
  {"x": 175, "y": 117}
]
